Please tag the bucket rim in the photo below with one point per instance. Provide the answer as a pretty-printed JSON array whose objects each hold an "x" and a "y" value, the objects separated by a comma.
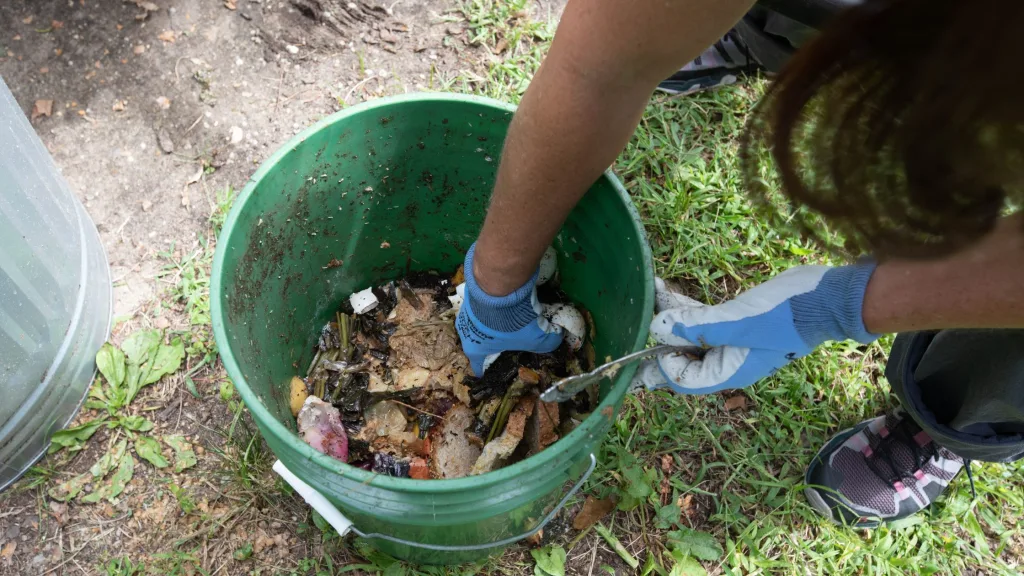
[{"x": 272, "y": 426}]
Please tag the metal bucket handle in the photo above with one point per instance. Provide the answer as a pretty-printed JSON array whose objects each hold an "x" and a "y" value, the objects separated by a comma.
[{"x": 343, "y": 525}]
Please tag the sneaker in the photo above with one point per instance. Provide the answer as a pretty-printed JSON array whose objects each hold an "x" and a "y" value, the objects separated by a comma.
[
  {"x": 720, "y": 65},
  {"x": 880, "y": 470}
]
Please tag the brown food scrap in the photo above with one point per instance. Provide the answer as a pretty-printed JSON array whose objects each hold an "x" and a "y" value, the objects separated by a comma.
[
  {"x": 459, "y": 278},
  {"x": 430, "y": 345},
  {"x": 385, "y": 244},
  {"x": 418, "y": 469},
  {"x": 503, "y": 446},
  {"x": 408, "y": 311},
  {"x": 542, "y": 429},
  {"x": 529, "y": 376},
  {"x": 332, "y": 263},
  {"x": 593, "y": 510},
  {"x": 451, "y": 453}
]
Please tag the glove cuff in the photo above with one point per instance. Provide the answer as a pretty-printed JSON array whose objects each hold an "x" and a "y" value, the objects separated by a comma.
[
  {"x": 500, "y": 313},
  {"x": 834, "y": 310}
]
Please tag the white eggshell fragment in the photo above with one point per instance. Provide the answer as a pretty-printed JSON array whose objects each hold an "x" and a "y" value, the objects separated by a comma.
[
  {"x": 460, "y": 295},
  {"x": 548, "y": 266},
  {"x": 363, "y": 301},
  {"x": 571, "y": 321}
]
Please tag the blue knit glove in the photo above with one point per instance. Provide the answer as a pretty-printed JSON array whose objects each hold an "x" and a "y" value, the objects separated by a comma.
[
  {"x": 759, "y": 331},
  {"x": 489, "y": 325}
]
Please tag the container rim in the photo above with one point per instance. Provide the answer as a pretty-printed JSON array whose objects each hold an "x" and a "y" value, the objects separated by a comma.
[{"x": 272, "y": 426}]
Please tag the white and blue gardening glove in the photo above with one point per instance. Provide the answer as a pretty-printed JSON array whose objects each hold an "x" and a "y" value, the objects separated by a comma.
[
  {"x": 759, "y": 331},
  {"x": 489, "y": 325}
]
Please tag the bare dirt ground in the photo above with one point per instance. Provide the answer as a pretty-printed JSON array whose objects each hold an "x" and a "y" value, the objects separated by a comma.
[{"x": 158, "y": 108}]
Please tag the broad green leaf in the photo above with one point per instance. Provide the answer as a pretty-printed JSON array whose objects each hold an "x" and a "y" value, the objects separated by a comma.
[
  {"x": 550, "y": 561},
  {"x": 109, "y": 460},
  {"x": 149, "y": 450},
  {"x": 687, "y": 566},
  {"x": 166, "y": 361},
  {"x": 74, "y": 438},
  {"x": 110, "y": 361},
  {"x": 396, "y": 569},
  {"x": 184, "y": 456},
  {"x": 227, "y": 390},
  {"x": 638, "y": 487},
  {"x": 695, "y": 543},
  {"x": 667, "y": 516},
  {"x": 141, "y": 346},
  {"x": 116, "y": 485},
  {"x": 136, "y": 423}
]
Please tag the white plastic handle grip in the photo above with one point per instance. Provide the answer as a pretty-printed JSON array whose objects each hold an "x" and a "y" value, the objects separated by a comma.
[{"x": 315, "y": 499}]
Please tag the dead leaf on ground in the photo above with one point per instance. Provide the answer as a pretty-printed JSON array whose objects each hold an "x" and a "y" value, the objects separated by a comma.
[
  {"x": 666, "y": 463},
  {"x": 41, "y": 108},
  {"x": 593, "y": 510},
  {"x": 59, "y": 511},
  {"x": 501, "y": 46},
  {"x": 230, "y": 4},
  {"x": 737, "y": 402},
  {"x": 685, "y": 504},
  {"x": 166, "y": 36},
  {"x": 8, "y": 551}
]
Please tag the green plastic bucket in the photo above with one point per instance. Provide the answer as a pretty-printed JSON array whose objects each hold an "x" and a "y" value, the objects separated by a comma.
[{"x": 388, "y": 187}]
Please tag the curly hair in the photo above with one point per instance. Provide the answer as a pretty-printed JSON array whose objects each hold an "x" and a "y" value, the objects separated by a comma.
[{"x": 898, "y": 131}]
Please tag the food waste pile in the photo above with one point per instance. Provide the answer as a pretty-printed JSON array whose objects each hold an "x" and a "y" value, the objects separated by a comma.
[{"x": 389, "y": 389}]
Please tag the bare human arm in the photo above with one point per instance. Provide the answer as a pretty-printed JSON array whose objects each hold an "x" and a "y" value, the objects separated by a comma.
[
  {"x": 980, "y": 287},
  {"x": 577, "y": 115}
]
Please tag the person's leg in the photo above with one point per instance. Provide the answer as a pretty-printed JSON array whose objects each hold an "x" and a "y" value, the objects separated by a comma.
[
  {"x": 763, "y": 40},
  {"x": 962, "y": 397}
]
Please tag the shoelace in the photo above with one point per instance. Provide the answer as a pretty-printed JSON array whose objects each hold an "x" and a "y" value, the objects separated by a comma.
[{"x": 900, "y": 434}]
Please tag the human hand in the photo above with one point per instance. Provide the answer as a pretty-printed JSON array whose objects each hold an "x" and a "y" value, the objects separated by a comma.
[
  {"x": 759, "y": 331},
  {"x": 489, "y": 325}
]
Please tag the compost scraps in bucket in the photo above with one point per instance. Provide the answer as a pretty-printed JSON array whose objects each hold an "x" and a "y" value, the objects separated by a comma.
[{"x": 390, "y": 390}]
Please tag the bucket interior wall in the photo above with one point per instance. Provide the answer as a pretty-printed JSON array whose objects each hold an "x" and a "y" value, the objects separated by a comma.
[{"x": 371, "y": 194}]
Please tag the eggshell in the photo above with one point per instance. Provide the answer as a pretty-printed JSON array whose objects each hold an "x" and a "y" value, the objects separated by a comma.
[{"x": 571, "y": 321}]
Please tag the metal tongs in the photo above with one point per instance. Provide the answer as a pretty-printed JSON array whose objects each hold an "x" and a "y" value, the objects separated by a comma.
[{"x": 566, "y": 388}]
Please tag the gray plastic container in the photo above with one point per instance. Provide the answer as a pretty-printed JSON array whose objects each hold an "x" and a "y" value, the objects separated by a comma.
[{"x": 55, "y": 296}]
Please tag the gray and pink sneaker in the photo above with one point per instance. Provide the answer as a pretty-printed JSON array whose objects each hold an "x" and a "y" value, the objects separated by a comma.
[{"x": 880, "y": 470}]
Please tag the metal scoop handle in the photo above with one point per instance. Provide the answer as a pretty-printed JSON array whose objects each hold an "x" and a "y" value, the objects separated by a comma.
[{"x": 566, "y": 388}]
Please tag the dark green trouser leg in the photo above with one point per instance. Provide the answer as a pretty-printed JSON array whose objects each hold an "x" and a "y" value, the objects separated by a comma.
[{"x": 965, "y": 388}]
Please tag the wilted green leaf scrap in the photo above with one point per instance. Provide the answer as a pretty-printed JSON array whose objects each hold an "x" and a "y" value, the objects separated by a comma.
[
  {"x": 117, "y": 483},
  {"x": 184, "y": 456},
  {"x": 550, "y": 561},
  {"x": 149, "y": 450}
]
